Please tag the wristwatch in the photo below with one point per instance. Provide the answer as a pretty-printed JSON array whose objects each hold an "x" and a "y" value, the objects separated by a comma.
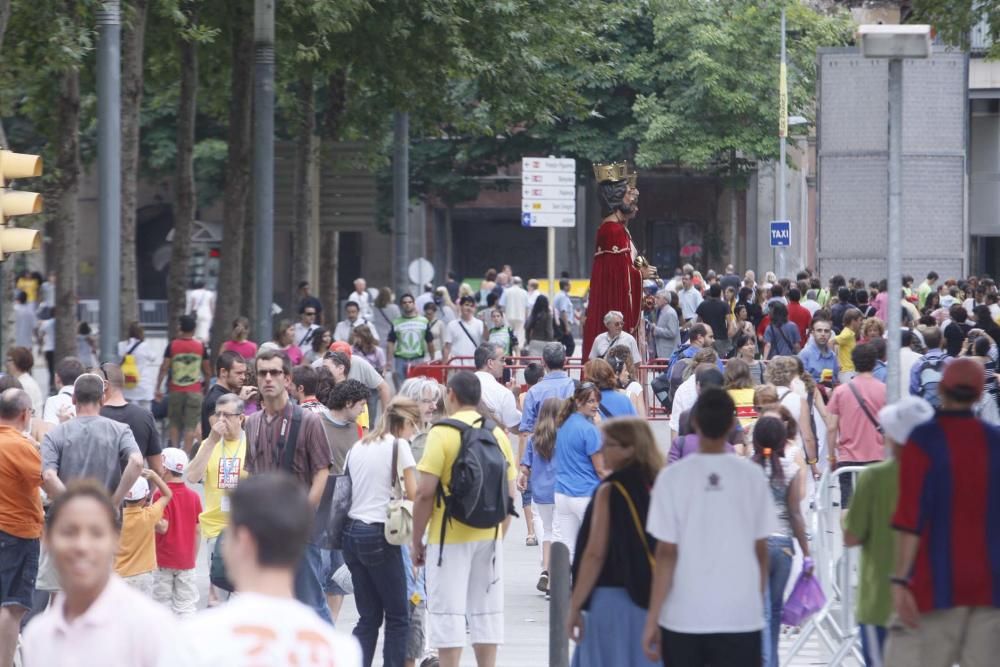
[
  {"x": 810, "y": 462},
  {"x": 900, "y": 581}
]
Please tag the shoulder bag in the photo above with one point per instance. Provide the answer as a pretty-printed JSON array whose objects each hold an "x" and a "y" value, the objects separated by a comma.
[
  {"x": 864, "y": 407},
  {"x": 399, "y": 513},
  {"x": 637, "y": 522}
]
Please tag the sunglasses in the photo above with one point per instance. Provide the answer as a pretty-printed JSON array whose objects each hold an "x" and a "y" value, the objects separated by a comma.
[
  {"x": 272, "y": 372},
  {"x": 310, "y": 314}
]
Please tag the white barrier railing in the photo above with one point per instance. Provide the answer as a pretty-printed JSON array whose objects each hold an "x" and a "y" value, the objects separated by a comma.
[{"x": 835, "y": 568}]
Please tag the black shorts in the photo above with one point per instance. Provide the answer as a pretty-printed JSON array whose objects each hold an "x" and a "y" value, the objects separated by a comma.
[
  {"x": 18, "y": 569},
  {"x": 735, "y": 649}
]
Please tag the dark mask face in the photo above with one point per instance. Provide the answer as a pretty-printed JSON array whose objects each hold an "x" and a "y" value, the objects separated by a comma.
[{"x": 613, "y": 194}]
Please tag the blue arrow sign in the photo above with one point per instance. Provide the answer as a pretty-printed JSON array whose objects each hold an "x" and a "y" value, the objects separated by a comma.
[{"x": 526, "y": 219}]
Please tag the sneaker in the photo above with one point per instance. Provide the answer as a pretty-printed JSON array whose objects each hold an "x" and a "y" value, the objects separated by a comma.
[
  {"x": 543, "y": 582},
  {"x": 531, "y": 541}
]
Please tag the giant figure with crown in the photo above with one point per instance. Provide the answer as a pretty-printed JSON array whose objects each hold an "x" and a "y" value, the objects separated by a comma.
[{"x": 618, "y": 270}]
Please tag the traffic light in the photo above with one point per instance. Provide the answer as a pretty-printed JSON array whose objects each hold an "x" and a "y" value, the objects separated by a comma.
[{"x": 18, "y": 202}]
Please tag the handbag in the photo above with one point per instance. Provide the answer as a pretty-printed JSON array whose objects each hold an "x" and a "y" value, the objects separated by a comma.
[
  {"x": 805, "y": 600},
  {"x": 331, "y": 517},
  {"x": 399, "y": 512}
]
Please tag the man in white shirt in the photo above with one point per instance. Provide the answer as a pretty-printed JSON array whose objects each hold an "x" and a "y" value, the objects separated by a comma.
[
  {"x": 59, "y": 408},
  {"x": 354, "y": 319},
  {"x": 532, "y": 295},
  {"x": 147, "y": 358},
  {"x": 425, "y": 298},
  {"x": 463, "y": 336},
  {"x": 361, "y": 297},
  {"x": 810, "y": 303},
  {"x": 689, "y": 297},
  {"x": 499, "y": 399},
  {"x": 706, "y": 605},
  {"x": 514, "y": 301},
  {"x": 908, "y": 358},
  {"x": 614, "y": 321},
  {"x": 264, "y": 624},
  {"x": 306, "y": 327}
]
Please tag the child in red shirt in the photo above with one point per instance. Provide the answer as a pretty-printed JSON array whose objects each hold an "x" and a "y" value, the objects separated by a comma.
[{"x": 177, "y": 540}]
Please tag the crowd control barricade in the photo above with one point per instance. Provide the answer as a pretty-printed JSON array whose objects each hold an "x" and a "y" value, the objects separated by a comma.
[{"x": 836, "y": 567}]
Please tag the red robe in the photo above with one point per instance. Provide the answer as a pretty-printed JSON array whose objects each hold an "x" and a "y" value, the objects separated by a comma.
[{"x": 615, "y": 283}]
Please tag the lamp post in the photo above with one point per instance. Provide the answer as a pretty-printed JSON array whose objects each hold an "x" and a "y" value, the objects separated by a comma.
[{"x": 895, "y": 42}]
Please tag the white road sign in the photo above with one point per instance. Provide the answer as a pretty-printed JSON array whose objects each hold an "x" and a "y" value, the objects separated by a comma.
[{"x": 548, "y": 192}]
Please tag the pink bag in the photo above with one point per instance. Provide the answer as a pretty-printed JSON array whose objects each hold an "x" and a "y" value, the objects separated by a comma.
[{"x": 806, "y": 599}]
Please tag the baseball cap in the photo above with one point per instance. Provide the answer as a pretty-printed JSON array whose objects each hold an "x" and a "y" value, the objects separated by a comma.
[
  {"x": 175, "y": 460},
  {"x": 340, "y": 346},
  {"x": 899, "y": 418},
  {"x": 139, "y": 490},
  {"x": 964, "y": 373}
]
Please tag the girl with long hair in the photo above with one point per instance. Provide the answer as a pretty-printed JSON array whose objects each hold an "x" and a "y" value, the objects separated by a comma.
[
  {"x": 537, "y": 472},
  {"x": 781, "y": 336},
  {"x": 579, "y": 463},
  {"x": 364, "y": 345},
  {"x": 613, "y": 571},
  {"x": 284, "y": 338},
  {"x": 784, "y": 477},
  {"x": 620, "y": 358},
  {"x": 381, "y": 466},
  {"x": 384, "y": 313},
  {"x": 538, "y": 330},
  {"x": 320, "y": 343},
  {"x": 745, "y": 348}
]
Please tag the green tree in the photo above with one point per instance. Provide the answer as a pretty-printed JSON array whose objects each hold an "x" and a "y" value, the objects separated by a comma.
[{"x": 954, "y": 20}]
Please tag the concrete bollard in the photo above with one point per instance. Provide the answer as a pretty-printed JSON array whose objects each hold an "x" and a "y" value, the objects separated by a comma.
[{"x": 559, "y": 590}]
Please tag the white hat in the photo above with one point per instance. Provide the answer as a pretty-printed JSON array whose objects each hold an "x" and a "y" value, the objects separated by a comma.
[
  {"x": 899, "y": 418},
  {"x": 139, "y": 490},
  {"x": 175, "y": 460}
]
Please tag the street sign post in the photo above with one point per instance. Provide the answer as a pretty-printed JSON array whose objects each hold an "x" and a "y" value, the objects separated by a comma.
[
  {"x": 548, "y": 199},
  {"x": 781, "y": 233}
]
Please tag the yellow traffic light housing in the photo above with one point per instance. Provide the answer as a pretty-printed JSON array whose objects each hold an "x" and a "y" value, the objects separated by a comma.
[{"x": 18, "y": 202}]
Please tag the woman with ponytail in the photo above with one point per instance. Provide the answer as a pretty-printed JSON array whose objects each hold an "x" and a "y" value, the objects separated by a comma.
[
  {"x": 578, "y": 461},
  {"x": 538, "y": 473},
  {"x": 784, "y": 476}
]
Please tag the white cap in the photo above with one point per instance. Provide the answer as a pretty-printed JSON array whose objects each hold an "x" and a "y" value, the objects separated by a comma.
[
  {"x": 175, "y": 460},
  {"x": 899, "y": 419},
  {"x": 139, "y": 490}
]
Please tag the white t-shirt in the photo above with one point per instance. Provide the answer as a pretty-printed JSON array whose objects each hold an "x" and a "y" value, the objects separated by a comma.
[
  {"x": 461, "y": 346},
  {"x": 371, "y": 474},
  {"x": 48, "y": 331},
  {"x": 514, "y": 301},
  {"x": 714, "y": 507},
  {"x": 55, "y": 404},
  {"x": 254, "y": 629},
  {"x": 364, "y": 301},
  {"x": 500, "y": 400},
  {"x": 684, "y": 400},
  {"x": 148, "y": 360}
]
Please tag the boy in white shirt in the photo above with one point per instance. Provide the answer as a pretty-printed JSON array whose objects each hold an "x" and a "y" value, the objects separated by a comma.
[{"x": 711, "y": 513}]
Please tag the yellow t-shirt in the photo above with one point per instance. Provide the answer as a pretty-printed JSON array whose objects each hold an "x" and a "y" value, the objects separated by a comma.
[
  {"x": 216, "y": 514},
  {"x": 746, "y": 413},
  {"x": 440, "y": 452},
  {"x": 363, "y": 419},
  {"x": 137, "y": 549},
  {"x": 30, "y": 287},
  {"x": 846, "y": 341}
]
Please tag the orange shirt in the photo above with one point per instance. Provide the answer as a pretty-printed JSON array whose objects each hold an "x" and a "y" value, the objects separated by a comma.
[
  {"x": 137, "y": 549},
  {"x": 20, "y": 478}
]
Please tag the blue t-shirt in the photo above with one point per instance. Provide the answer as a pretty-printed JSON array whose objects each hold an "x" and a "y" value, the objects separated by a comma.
[
  {"x": 576, "y": 441},
  {"x": 616, "y": 403},
  {"x": 542, "y": 481}
]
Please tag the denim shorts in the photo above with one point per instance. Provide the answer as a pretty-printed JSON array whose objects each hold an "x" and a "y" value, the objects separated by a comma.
[
  {"x": 332, "y": 561},
  {"x": 18, "y": 568}
]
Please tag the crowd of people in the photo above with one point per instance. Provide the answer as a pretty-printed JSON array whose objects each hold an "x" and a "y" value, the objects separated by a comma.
[{"x": 768, "y": 386}]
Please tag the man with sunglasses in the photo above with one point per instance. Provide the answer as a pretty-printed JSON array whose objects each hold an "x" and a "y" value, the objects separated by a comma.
[
  {"x": 306, "y": 327},
  {"x": 283, "y": 436},
  {"x": 140, "y": 420}
]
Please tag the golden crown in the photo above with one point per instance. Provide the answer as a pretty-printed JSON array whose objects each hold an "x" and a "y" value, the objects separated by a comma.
[{"x": 616, "y": 171}]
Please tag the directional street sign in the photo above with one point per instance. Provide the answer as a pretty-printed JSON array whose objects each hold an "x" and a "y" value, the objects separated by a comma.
[
  {"x": 781, "y": 233},
  {"x": 548, "y": 192}
]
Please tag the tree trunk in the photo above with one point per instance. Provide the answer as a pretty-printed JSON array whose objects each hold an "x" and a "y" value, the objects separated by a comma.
[
  {"x": 184, "y": 206},
  {"x": 329, "y": 258},
  {"x": 4, "y": 18},
  {"x": 733, "y": 222},
  {"x": 248, "y": 295},
  {"x": 133, "y": 45},
  {"x": 328, "y": 284},
  {"x": 62, "y": 227},
  {"x": 305, "y": 164},
  {"x": 237, "y": 186}
]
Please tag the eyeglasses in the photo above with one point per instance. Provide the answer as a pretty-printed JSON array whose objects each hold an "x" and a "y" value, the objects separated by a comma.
[
  {"x": 228, "y": 414},
  {"x": 272, "y": 372},
  {"x": 310, "y": 314},
  {"x": 615, "y": 324}
]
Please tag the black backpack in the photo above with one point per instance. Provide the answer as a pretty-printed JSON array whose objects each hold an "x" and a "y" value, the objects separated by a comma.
[{"x": 477, "y": 494}]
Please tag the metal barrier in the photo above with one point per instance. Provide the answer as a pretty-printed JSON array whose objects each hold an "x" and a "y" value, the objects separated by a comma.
[
  {"x": 152, "y": 313},
  {"x": 834, "y": 623}
]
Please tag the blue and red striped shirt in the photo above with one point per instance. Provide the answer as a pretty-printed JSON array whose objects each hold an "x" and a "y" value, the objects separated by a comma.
[{"x": 949, "y": 495}]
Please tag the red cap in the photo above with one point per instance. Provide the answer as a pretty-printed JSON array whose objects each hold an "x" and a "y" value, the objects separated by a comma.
[
  {"x": 340, "y": 346},
  {"x": 964, "y": 373}
]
